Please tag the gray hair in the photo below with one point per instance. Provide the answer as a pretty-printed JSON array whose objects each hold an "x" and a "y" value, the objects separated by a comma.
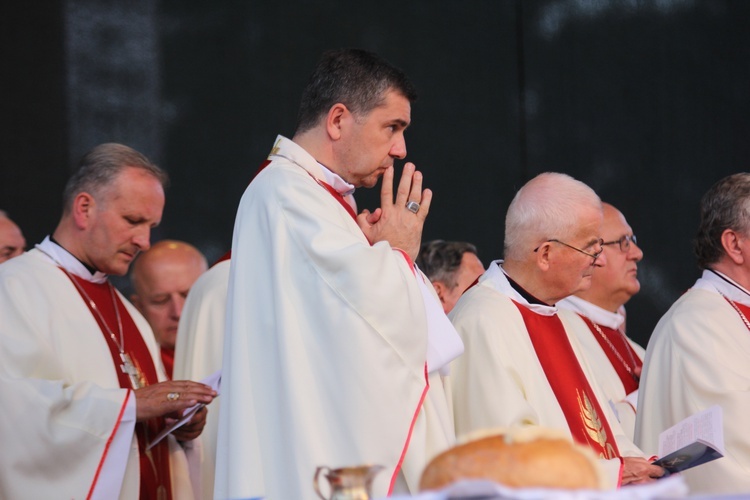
[
  {"x": 355, "y": 78},
  {"x": 548, "y": 206},
  {"x": 99, "y": 168},
  {"x": 440, "y": 260},
  {"x": 725, "y": 206}
]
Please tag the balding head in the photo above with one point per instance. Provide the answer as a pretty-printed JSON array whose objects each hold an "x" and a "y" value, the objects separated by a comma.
[
  {"x": 161, "y": 278},
  {"x": 12, "y": 242},
  {"x": 552, "y": 232}
]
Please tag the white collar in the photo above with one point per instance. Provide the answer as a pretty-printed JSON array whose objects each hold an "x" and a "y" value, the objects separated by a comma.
[
  {"x": 712, "y": 281},
  {"x": 495, "y": 277},
  {"x": 61, "y": 257},
  {"x": 613, "y": 320},
  {"x": 337, "y": 182},
  {"x": 287, "y": 148}
]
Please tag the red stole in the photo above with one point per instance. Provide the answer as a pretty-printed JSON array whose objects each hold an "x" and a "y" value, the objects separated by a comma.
[
  {"x": 627, "y": 358},
  {"x": 339, "y": 198},
  {"x": 745, "y": 309},
  {"x": 167, "y": 359},
  {"x": 571, "y": 387},
  {"x": 155, "y": 479}
]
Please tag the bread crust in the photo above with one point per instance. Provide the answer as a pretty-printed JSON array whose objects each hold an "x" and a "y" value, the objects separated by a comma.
[{"x": 541, "y": 462}]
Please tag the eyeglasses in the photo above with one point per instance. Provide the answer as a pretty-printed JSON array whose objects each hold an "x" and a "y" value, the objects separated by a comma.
[
  {"x": 624, "y": 242},
  {"x": 594, "y": 256}
]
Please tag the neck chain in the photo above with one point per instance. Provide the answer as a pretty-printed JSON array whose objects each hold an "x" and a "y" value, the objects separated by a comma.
[
  {"x": 127, "y": 365},
  {"x": 616, "y": 352}
]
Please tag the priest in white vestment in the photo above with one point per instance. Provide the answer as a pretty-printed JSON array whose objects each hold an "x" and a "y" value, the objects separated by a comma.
[
  {"x": 699, "y": 354},
  {"x": 80, "y": 379},
  {"x": 198, "y": 354},
  {"x": 616, "y": 360},
  {"x": 523, "y": 364},
  {"x": 336, "y": 344}
]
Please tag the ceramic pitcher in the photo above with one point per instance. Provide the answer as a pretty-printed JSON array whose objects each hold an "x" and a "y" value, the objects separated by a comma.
[{"x": 348, "y": 483}]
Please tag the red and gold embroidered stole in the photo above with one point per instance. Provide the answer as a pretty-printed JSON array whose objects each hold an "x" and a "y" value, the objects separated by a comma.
[
  {"x": 154, "y": 463},
  {"x": 571, "y": 387}
]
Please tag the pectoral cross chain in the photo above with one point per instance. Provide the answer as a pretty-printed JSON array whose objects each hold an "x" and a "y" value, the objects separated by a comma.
[{"x": 128, "y": 367}]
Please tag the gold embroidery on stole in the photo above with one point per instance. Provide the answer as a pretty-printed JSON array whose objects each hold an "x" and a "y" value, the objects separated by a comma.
[{"x": 593, "y": 425}]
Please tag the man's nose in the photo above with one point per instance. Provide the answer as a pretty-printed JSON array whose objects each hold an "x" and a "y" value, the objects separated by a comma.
[
  {"x": 601, "y": 261},
  {"x": 175, "y": 306},
  {"x": 142, "y": 238},
  {"x": 634, "y": 252},
  {"x": 398, "y": 150}
]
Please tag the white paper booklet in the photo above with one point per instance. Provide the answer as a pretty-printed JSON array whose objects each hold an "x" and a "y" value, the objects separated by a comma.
[{"x": 694, "y": 441}]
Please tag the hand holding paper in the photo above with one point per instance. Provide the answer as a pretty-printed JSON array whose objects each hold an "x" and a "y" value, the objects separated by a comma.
[{"x": 214, "y": 381}]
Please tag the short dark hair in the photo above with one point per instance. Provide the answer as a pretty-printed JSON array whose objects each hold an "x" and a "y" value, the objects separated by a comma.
[
  {"x": 101, "y": 165},
  {"x": 725, "y": 206},
  {"x": 440, "y": 259},
  {"x": 356, "y": 78}
]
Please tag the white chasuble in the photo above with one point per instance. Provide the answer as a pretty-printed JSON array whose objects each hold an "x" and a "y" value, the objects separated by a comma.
[
  {"x": 499, "y": 381},
  {"x": 697, "y": 357},
  {"x": 198, "y": 354},
  {"x": 326, "y": 346},
  {"x": 600, "y": 360},
  {"x": 66, "y": 427}
]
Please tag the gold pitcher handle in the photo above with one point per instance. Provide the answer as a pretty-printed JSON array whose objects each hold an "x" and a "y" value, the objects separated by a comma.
[{"x": 315, "y": 480}]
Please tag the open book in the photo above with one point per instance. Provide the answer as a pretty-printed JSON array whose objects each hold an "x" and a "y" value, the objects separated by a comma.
[{"x": 694, "y": 441}]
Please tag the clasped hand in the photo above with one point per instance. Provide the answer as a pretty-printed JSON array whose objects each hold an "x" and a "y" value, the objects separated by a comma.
[{"x": 393, "y": 222}]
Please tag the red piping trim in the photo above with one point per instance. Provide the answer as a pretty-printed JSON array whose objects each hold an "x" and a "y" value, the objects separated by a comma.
[
  {"x": 411, "y": 429},
  {"x": 408, "y": 259},
  {"x": 622, "y": 468},
  {"x": 106, "y": 446}
]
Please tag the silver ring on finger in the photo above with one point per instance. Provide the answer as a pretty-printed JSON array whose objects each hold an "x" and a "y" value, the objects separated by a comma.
[
  {"x": 173, "y": 396},
  {"x": 412, "y": 207}
]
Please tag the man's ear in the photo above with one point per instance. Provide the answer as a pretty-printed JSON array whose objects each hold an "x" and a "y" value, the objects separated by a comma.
[
  {"x": 440, "y": 288},
  {"x": 82, "y": 209},
  {"x": 336, "y": 120},
  {"x": 543, "y": 255},
  {"x": 732, "y": 242}
]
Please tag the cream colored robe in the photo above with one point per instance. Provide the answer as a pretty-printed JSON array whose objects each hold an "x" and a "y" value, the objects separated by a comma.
[
  {"x": 699, "y": 356},
  {"x": 605, "y": 373},
  {"x": 324, "y": 359},
  {"x": 198, "y": 354},
  {"x": 499, "y": 382},
  {"x": 60, "y": 394}
]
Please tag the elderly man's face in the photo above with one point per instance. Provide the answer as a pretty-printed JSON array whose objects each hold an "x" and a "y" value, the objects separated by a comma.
[
  {"x": 570, "y": 270},
  {"x": 164, "y": 280},
  {"x": 618, "y": 279}
]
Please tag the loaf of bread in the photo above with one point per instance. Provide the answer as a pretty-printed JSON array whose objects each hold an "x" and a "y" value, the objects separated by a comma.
[{"x": 525, "y": 458}]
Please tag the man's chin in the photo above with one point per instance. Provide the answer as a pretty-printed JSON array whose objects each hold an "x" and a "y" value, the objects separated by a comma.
[{"x": 369, "y": 182}]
